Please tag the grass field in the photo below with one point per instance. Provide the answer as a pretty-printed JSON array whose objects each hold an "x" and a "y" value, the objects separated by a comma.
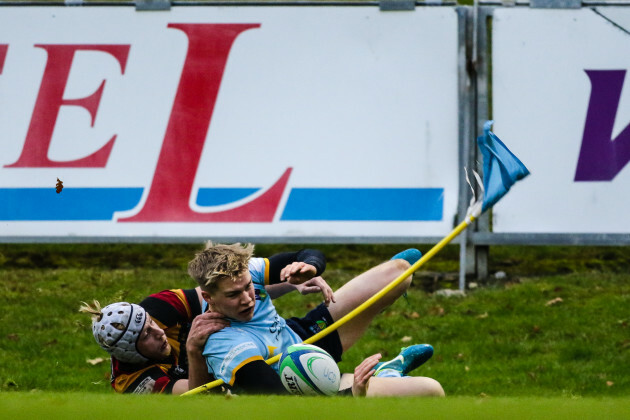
[
  {"x": 95, "y": 407},
  {"x": 550, "y": 339}
]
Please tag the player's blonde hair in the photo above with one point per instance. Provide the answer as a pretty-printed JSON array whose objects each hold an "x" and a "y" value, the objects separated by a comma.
[
  {"x": 94, "y": 311},
  {"x": 219, "y": 261}
]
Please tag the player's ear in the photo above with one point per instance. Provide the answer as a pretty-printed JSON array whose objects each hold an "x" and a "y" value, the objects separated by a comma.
[{"x": 206, "y": 296}]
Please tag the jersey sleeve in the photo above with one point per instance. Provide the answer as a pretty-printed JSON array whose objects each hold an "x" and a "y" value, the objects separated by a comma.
[
  {"x": 172, "y": 307},
  {"x": 229, "y": 350},
  {"x": 277, "y": 262},
  {"x": 153, "y": 379},
  {"x": 259, "y": 270}
]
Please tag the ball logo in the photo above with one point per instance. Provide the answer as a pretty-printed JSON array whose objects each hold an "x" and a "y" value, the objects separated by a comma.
[
  {"x": 330, "y": 375},
  {"x": 327, "y": 373},
  {"x": 138, "y": 318},
  {"x": 294, "y": 388},
  {"x": 310, "y": 362}
]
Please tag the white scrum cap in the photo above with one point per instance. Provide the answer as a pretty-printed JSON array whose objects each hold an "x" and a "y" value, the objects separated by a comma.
[{"x": 118, "y": 329}]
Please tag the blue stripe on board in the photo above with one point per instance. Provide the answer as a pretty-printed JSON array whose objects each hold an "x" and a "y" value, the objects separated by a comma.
[
  {"x": 70, "y": 204},
  {"x": 219, "y": 196},
  {"x": 365, "y": 204},
  {"x": 333, "y": 204}
]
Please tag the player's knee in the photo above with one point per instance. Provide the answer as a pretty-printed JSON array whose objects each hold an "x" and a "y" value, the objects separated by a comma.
[
  {"x": 399, "y": 266},
  {"x": 433, "y": 388}
]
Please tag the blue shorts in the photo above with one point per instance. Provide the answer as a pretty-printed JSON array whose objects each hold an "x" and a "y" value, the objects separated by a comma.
[{"x": 315, "y": 321}]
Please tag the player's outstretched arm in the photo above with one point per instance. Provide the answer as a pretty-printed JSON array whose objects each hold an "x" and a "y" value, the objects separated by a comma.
[
  {"x": 314, "y": 285},
  {"x": 296, "y": 267},
  {"x": 317, "y": 285}
]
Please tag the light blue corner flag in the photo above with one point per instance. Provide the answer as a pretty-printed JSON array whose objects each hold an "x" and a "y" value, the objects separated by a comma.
[{"x": 501, "y": 169}]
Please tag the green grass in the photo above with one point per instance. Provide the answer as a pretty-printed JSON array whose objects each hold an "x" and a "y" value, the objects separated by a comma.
[
  {"x": 501, "y": 340},
  {"x": 95, "y": 407}
]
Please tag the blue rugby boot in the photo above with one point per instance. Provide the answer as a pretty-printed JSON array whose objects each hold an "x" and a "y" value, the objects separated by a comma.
[
  {"x": 410, "y": 255},
  {"x": 407, "y": 360}
]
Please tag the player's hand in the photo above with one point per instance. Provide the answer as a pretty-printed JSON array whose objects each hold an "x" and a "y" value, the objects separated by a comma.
[
  {"x": 298, "y": 272},
  {"x": 316, "y": 285},
  {"x": 201, "y": 328},
  {"x": 362, "y": 375}
]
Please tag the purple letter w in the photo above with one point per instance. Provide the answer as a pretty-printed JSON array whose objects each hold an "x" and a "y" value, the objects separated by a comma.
[{"x": 601, "y": 157}]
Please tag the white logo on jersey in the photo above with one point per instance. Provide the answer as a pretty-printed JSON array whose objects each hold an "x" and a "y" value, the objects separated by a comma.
[
  {"x": 145, "y": 387},
  {"x": 233, "y": 353}
]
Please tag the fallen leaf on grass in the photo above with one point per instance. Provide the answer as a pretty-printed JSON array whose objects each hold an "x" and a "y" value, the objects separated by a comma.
[
  {"x": 13, "y": 337},
  {"x": 554, "y": 301},
  {"x": 406, "y": 339},
  {"x": 95, "y": 362},
  {"x": 413, "y": 315},
  {"x": 610, "y": 383},
  {"x": 483, "y": 315},
  {"x": 437, "y": 311},
  {"x": 450, "y": 293}
]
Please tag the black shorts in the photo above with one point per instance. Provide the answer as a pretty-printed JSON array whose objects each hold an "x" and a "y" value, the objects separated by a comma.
[{"x": 315, "y": 321}]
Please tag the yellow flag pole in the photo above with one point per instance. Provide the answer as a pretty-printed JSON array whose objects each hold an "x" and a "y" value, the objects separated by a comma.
[{"x": 352, "y": 314}]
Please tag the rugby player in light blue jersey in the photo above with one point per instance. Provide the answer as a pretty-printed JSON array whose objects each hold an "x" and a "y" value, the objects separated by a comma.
[{"x": 233, "y": 284}]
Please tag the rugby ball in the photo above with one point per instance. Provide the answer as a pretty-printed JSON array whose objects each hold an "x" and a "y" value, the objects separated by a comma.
[{"x": 309, "y": 370}]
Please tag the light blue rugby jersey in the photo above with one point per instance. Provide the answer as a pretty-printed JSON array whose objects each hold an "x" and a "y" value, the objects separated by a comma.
[{"x": 264, "y": 336}]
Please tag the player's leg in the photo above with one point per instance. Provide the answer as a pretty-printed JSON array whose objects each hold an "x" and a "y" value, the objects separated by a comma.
[
  {"x": 406, "y": 386},
  {"x": 364, "y": 286}
]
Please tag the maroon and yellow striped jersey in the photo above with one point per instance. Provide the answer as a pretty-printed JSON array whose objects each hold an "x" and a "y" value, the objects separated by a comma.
[{"x": 173, "y": 310}]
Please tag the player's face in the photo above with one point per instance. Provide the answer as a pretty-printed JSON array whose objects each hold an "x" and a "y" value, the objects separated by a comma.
[
  {"x": 235, "y": 298},
  {"x": 152, "y": 342}
]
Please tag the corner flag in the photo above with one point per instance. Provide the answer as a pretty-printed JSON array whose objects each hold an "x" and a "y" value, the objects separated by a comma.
[{"x": 501, "y": 169}]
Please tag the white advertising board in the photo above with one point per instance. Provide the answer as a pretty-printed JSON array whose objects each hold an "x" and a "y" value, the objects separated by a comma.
[
  {"x": 267, "y": 122},
  {"x": 561, "y": 102}
]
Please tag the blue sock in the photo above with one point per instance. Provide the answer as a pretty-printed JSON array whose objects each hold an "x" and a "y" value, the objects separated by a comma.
[{"x": 410, "y": 255}]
